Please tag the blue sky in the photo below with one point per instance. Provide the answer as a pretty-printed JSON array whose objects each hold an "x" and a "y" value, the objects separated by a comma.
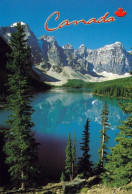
[{"x": 35, "y": 13}]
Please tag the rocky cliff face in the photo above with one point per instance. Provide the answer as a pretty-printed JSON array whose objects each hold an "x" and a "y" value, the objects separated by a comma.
[
  {"x": 49, "y": 56},
  {"x": 53, "y": 53},
  {"x": 111, "y": 58}
]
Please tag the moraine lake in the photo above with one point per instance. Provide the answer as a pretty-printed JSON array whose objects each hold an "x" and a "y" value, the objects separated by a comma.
[{"x": 59, "y": 112}]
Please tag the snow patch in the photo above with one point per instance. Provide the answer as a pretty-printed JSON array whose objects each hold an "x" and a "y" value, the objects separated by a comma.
[
  {"x": 82, "y": 46},
  {"x": 8, "y": 34},
  {"x": 68, "y": 46},
  {"x": 15, "y": 24},
  {"x": 114, "y": 74},
  {"x": 110, "y": 47},
  {"x": 49, "y": 39}
]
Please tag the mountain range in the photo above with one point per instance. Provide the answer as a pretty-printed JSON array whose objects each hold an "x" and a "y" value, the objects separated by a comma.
[{"x": 56, "y": 64}]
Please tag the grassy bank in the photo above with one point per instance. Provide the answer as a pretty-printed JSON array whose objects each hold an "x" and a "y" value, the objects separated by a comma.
[{"x": 72, "y": 187}]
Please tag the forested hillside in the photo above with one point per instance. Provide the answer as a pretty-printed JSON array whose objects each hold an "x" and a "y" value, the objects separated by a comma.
[{"x": 112, "y": 88}]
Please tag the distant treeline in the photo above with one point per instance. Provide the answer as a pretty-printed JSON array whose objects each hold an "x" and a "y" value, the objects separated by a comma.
[
  {"x": 112, "y": 88},
  {"x": 77, "y": 83}
]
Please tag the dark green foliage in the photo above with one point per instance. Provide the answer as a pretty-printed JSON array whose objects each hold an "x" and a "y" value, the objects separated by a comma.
[
  {"x": 68, "y": 160},
  {"x": 104, "y": 137},
  {"x": 62, "y": 178},
  {"x": 4, "y": 48},
  {"x": 77, "y": 83},
  {"x": 20, "y": 148},
  {"x": 85, "y": 165},
  {"x": 34, "y": 81},
  {"x": 113, "y": 88},
  {"x": 119, "y": 163}
]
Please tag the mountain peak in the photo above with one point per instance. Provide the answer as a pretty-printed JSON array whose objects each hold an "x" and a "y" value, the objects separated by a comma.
[
  {"x": 68, "y": 46},
  {"x": 15, "y": 24},
  {"x": 82, "y": 46},
  {"x": 108, "y": 47},
  {"x": 47, "y": 54},
  {"x": 48, "y": 38},
  {"x": 82, "y": 49},
  {"x": 117, "y": 42}
]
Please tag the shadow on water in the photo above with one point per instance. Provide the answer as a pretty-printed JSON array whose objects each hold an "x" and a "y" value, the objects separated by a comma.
[{"x": 51, "y": 155}]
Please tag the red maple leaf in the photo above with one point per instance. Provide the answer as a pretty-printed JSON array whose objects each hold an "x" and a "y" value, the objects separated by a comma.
[{"x": 120, "y": 12}]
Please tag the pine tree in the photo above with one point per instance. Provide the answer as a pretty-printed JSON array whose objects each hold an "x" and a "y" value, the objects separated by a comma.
[
  {"x": 68, "y": 160},
  {"x": 73, "y": 156},
  {"x": 119, "y": 163},
  {"x": 20, "y": 147},
  {"x": 85, "y": 165},
  {"x": 62, "y": 178},
  {"x": 104, "y": 137}
]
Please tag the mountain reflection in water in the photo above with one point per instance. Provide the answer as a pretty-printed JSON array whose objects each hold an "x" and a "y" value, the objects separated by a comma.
[{"x": 59, "y": 112}]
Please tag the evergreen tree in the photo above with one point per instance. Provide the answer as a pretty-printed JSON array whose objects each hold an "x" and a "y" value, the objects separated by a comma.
[
  {"x": 119, "y": 163},
  {"x": 68, "y": 160},
  {"x": 104, "y": 137},
  {"x": 20, "y": 147},
  {"x": 85, "y": 165},
  {"x": 73, "y": 156},
  {"x": 62, "y": 178}
]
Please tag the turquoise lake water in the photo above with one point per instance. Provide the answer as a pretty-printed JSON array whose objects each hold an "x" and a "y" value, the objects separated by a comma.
[{"x": 59, "y": 112}]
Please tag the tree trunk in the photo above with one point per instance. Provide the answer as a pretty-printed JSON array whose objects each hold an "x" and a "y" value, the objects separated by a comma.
[
  {"x": 72, "y": 170},
  {"x": 22, "y": 183},
  {"x": 70, "y": 177},
  {"x": 102, "y": 151}
]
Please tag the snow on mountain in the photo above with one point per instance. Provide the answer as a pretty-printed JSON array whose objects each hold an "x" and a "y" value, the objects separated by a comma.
[
  {"x": 68, "y": 46},
  {"x": 63, "y": 63},
  {"x": 15, "y": 24}
]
